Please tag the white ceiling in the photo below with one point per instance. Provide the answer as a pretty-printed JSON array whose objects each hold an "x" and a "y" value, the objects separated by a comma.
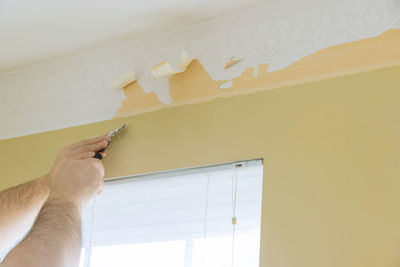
[{"x": 37, "y": 31}]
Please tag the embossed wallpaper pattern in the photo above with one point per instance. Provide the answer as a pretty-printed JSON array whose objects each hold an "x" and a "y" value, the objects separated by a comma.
[{"x": 68, "y": 92}]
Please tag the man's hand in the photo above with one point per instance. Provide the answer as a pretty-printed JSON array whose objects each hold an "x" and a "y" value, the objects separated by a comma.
[
  {"x": 55, "y": 238},
  {"x": 76, "y": 176}
]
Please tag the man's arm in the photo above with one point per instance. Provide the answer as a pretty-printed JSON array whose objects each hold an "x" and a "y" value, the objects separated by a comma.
[
  {"x": 55, "y": 238},
  {"x": 19, "y": 207}
]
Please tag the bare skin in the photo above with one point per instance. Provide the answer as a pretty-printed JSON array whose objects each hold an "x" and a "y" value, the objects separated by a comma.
[
  {"x": 19, "y": 206},
  {"x": 51, "y": 208}
]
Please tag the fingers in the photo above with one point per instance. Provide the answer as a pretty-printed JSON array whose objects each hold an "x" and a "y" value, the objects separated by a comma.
[
  {"x": 86, "y": 155},
  {"x": 89, "y": 155},
  {"x": 76, "y": 150},
  {"x": 90, "y": 148},
  {"x": 88, "y": 142},
  {"x": 97, "y": 164}
]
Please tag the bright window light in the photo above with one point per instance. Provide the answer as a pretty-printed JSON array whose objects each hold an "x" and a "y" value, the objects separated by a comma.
[
  {"x": 169, "y": 254},
  {"x": 217, "y": 251}
]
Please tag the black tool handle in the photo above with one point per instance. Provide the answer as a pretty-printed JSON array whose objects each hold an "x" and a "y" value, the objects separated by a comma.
[{"x": 99, "y": 154}]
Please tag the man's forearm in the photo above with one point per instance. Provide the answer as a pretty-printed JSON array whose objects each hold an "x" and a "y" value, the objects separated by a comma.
[
  {"x": 19, "y": 206},
  {"x": 55, "y": 238}
]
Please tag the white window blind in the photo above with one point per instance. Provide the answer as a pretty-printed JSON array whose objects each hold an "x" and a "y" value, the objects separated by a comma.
[{"x": 177, "y": 219}]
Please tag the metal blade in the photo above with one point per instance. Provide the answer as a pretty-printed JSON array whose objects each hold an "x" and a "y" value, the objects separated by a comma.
[{"x": 113, "y": 133}]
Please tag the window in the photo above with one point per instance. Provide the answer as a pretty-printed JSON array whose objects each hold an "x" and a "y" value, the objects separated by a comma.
[{"x": 177, "y": 219}]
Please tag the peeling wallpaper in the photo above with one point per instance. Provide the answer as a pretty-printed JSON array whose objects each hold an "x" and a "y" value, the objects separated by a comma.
[
  {"x": 279, "y": 45},
  {"x": 196, "y": 85}
]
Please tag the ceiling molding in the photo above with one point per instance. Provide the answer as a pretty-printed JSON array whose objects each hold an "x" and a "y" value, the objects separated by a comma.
[{"x": 78, "y": 90}]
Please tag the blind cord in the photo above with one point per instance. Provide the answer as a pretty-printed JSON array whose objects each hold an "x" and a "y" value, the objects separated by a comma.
[
  {"x": 88, "y": 250},
  {"x": 203, "y": 260},
  {"x": 234, "y": 219}
]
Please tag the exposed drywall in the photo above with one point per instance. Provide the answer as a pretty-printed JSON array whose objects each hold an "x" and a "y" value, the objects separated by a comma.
[
  {"x": 141, "y": 101},
  {"x": 331, "y": 151},
  {"x": 39, "y": 98},
  {"x": 196, "y": 85}
]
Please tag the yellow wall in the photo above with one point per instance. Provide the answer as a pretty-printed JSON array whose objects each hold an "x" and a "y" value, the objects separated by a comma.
[{"x": 331, "y": 154}]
